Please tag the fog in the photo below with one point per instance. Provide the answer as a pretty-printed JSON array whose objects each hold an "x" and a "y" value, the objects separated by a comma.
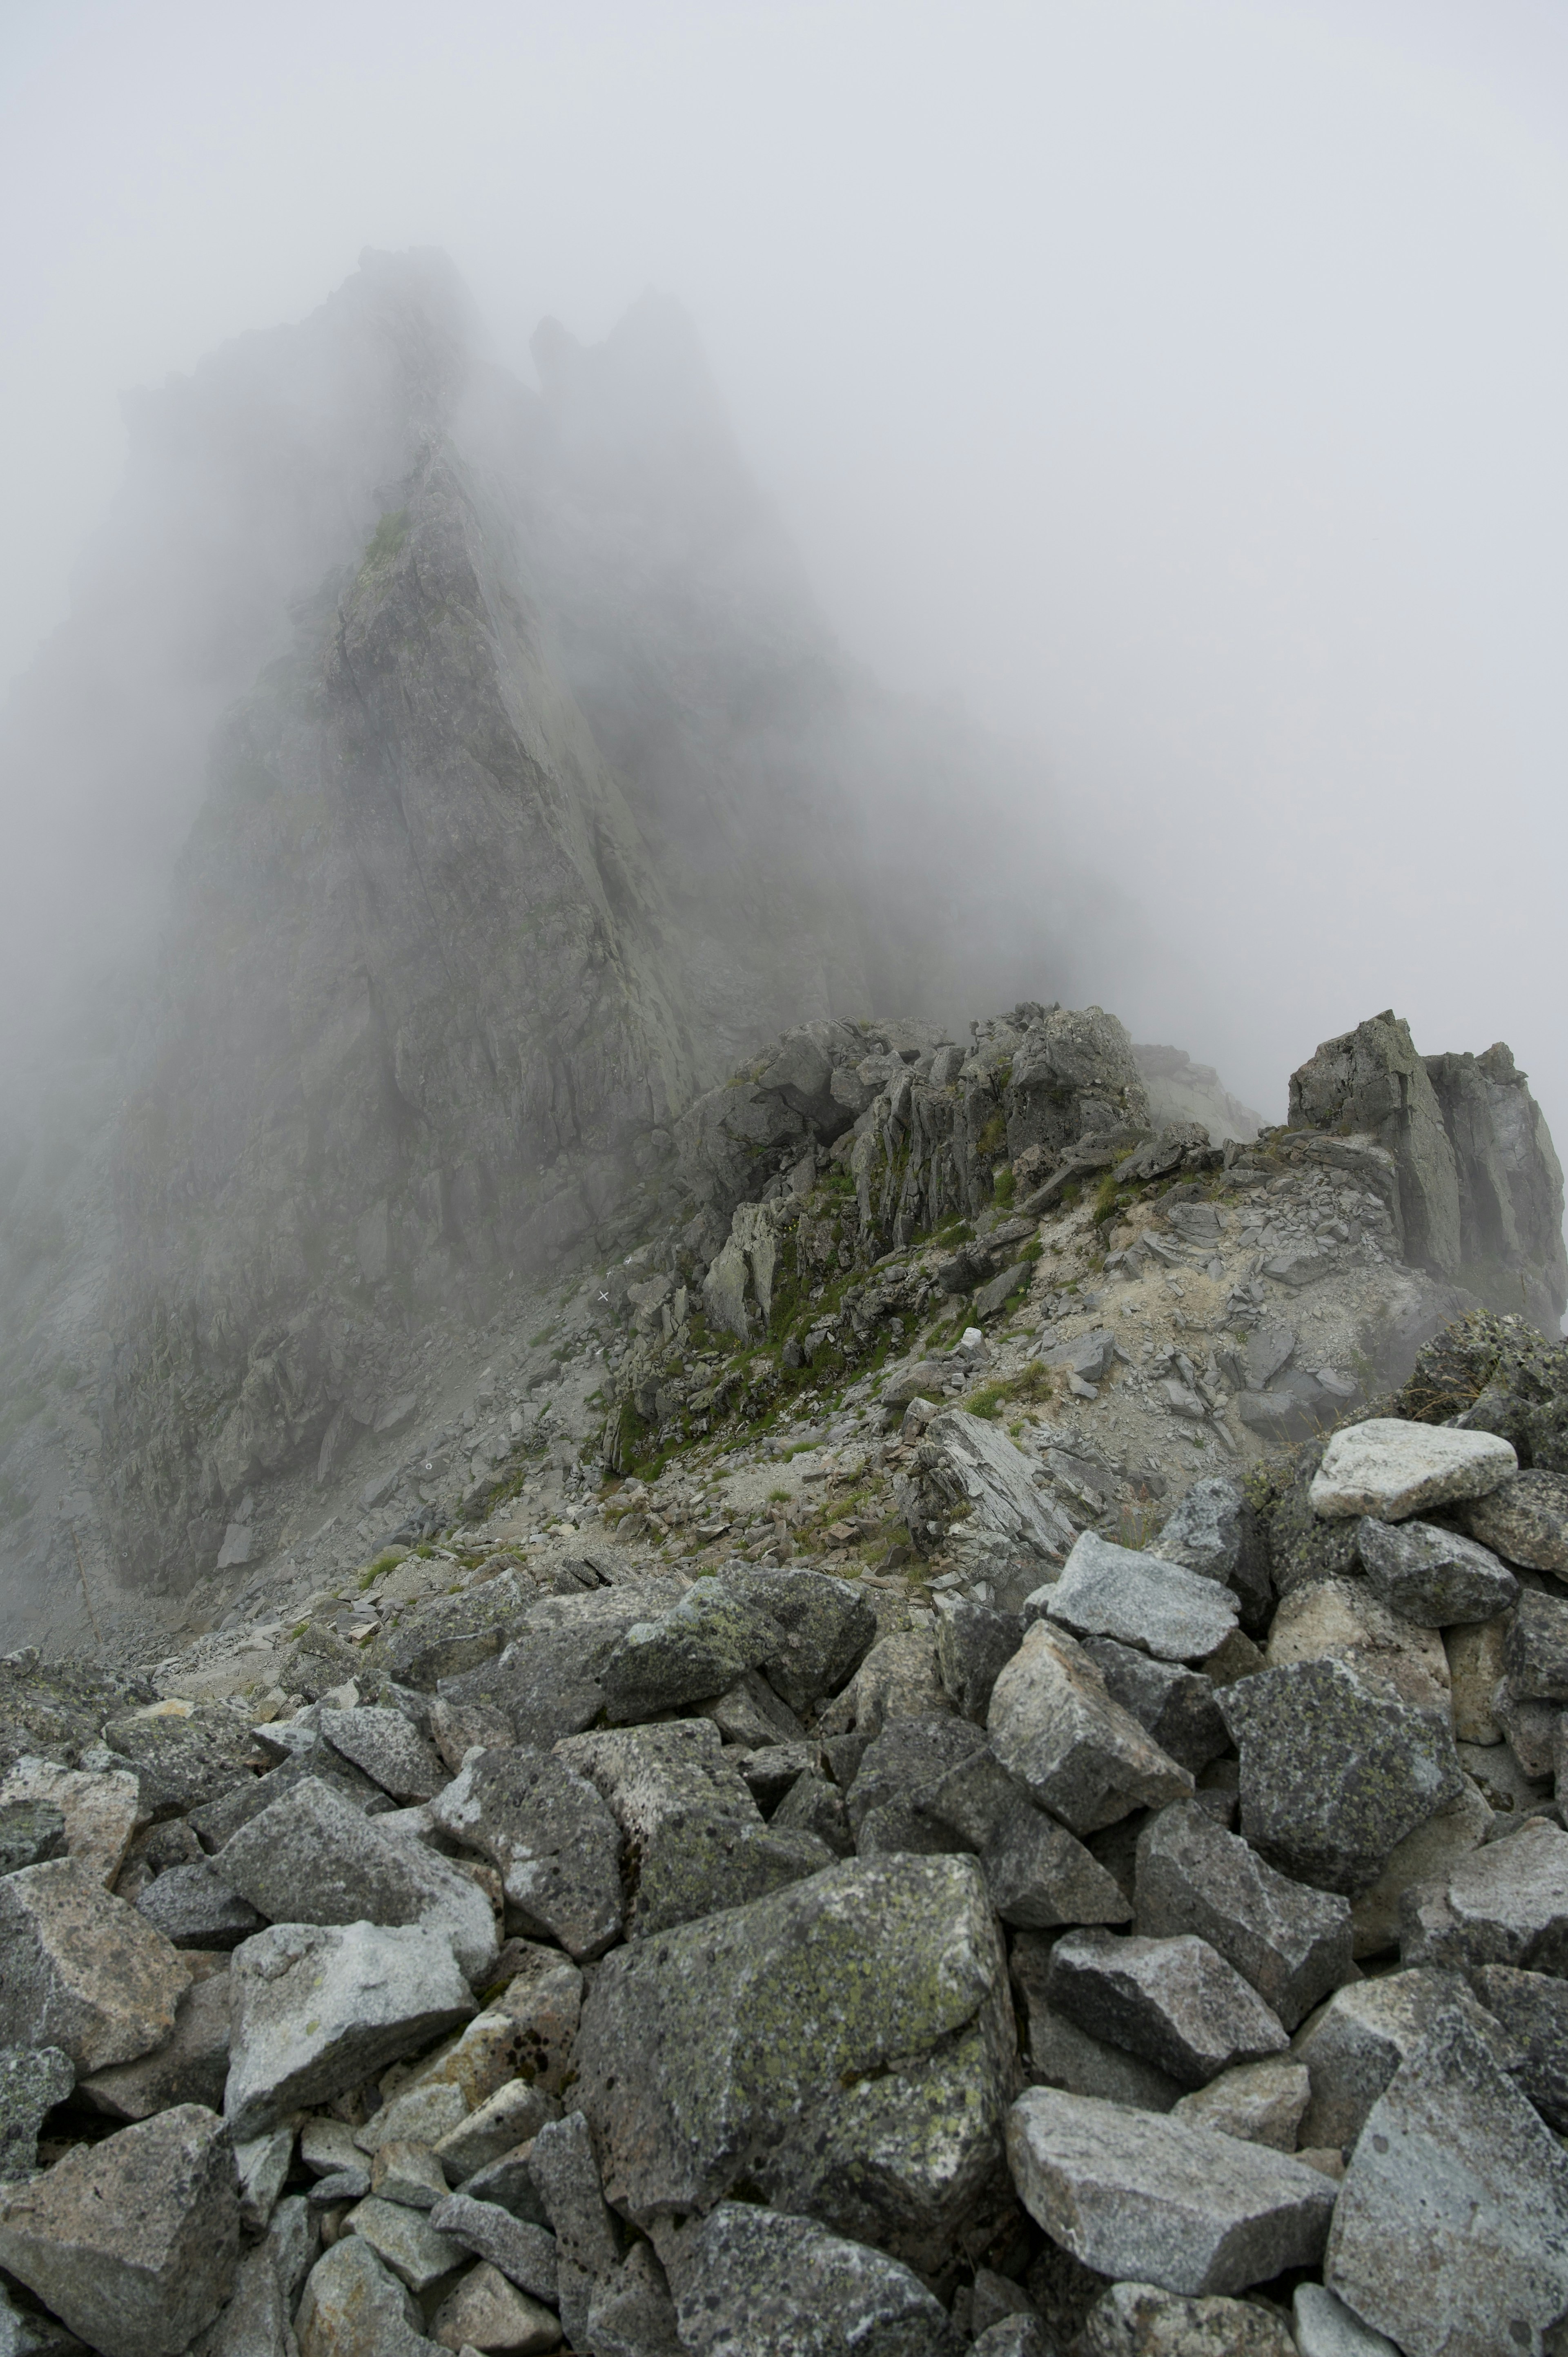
[{"x": 1177, "y": 388}]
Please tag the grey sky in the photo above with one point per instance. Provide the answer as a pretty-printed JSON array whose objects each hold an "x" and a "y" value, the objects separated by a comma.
[{"x": 1182, "y": 386}]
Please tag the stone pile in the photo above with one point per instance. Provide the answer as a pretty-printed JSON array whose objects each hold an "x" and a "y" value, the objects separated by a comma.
[{"x": 697, "y": 1968}]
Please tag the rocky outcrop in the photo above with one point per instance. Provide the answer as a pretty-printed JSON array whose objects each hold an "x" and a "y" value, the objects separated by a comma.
[{"x": 1480, "y": 1187}]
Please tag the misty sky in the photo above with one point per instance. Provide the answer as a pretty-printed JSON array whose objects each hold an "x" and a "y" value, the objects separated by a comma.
[{"x": 1182, "y": 387}]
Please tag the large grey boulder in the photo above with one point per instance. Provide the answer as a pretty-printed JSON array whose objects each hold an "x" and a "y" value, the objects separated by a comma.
[
  {"x": 313, "y": 1857},
  {"x": 1212, "y": 1531},
  {"x": 1428, "y": 1854},
  {"x": 1504, "y": 1904},
  {"x": 1291, "y": 1943},
  {"x": 524, "y": 2253},
  {"x": 355, "y": 2307},
  {"x": 698, "y": 1838},
  {"x": 884, "y": 2123},
  {"x": 909, "y": 1759},
  {"x": 1062, "y": 2054},
  {"x": 484, "y": 2311},
  {"x": 184, "y": 1758},
  {"x": 389, "y": 1749},
  {"x": 693, "y": 1651},
  {"x": 1137, "y": 2320},
  {"x": 750, "y": 2283},
  {"x": 256, "y": 2319},
  {"x": 216, "y": 1822},
  {"x": 828, "y": 1628},
  {"x": 1174, "y": 2001},
  {"x": 899, "y": 1679},
  {"x": 317, "y": 2009},
  {"x": 190, "y": 2066},
  {"x": 1432, "y": 1576},
  {"x": 102, "y": 1808},
  {"x": 405, "y": 2241},
  {"x": 1391, "y": 1467},
  {"x": 1533, "y": 2010},
  {"x": 974, "y": 1644},
  {"x": 1451, "y": 2232},
  {"x": 1140, "y": 1600},
  {"x": 134, "y": 2242},
  {"x": 1038, "y": 1874},
  {"x": 1079, "y": 1755},
  {"x": 1334, "y": 1772},
  {"x": 1535, "y": 1649},
  {"x": 1524, "y": 1519},
  {"x": 632, "y": 2314},
  {"x": 1174, "y": 1705},
  {"x": 1343, "y": 1620},
  {"x": 1353, "y": 2046},
  {"x": 81, "y": 1970},
  {"x": 1262, "y": 2103},
  {"x": 545, "y": 1683},
  {"x": 193, "y": 1907},
  {"x": 557, "y": 1846},
  {"x": 1149, "y": 2200}
]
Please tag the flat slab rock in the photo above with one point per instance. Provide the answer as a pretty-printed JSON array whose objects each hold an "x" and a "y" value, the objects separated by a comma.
[
  {"x": 134, "y": 2242},
  {"x": 1451, "y": 2234},
  {"x": 317, "y": 2009},
  {"x": 1174, "y": 2001},
  {"x": 1392, "y": 1468},
  {"x": 1141, "y": 1599},
  {"x": 1145, "y": 2198}
]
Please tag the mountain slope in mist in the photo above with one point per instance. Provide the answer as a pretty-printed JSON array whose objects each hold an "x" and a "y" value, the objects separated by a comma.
[{"x": 444, "y": 781}]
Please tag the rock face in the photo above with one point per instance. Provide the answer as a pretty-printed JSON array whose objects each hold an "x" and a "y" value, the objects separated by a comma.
[
  {"x": 539, "y": 740},
  {"x": 770, "y": 1848},
  {"x": 1480, "y": 1187}
]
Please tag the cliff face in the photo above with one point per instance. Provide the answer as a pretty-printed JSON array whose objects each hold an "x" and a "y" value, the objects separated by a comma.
[
  {"x": 1480, "y": 1186},
  {"x": 475, "y": 781}
]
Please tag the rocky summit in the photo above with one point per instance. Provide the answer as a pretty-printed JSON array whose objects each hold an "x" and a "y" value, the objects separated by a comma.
[{"x": 877, "y": 1689}]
